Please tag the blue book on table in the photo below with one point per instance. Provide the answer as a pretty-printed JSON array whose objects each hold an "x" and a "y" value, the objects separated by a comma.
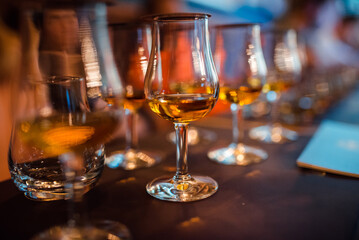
[{"x": 334, "y": 148}]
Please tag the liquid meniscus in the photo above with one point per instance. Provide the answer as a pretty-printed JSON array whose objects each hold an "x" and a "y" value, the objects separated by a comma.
[
  {"x": 135, "y": 100},
  {"x": 182, "y": 108},
  {"x": 278, "y": 86}
]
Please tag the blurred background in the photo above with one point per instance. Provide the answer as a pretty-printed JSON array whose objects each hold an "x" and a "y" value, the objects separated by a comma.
[{"x": 328, "y": 40}]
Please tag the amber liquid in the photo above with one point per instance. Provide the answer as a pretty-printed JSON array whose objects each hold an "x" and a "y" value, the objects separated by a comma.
[
  {"x": 135, "y": 100},
  {"x": 182, "y": 108},
  {"x": 114, "y": 101},
  {"x": 242, "y": 95},
  {"x": 59, "y": 134},
  {"x": 278, "y": 86}
]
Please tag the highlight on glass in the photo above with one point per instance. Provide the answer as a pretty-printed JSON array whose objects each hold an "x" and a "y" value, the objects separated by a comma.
[
  {"x": 242, "y": 72},
  {"x": 181, "y": 95},
  {"x": 131, "y": 47},
  {"x": 284, "y": 70}
]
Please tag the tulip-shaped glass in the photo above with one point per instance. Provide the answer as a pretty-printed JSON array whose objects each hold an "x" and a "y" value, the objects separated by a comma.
[
  {"x": 242, "y": 73},
  {"x": 131, "y": 45},
  {"x": 284, "y": 71},
  {"x": 181, "y": 95}
]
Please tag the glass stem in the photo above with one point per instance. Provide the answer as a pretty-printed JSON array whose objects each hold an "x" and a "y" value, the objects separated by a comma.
[
  {"x": 73, "y": 166},
  {"x": 275, "y": 110},
  {"x": 237, "y": 123},
  {"x": 181, "y": 154},
  {"x": 131, "y": 131}
]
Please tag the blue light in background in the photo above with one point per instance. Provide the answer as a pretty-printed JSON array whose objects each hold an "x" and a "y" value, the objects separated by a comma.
[{"x": 223, "y": 11}]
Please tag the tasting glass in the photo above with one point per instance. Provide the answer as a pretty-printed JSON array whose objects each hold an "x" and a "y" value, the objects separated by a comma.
[
  {"x": 242, "y": 72},
  {"x": 131, "y": 45},
  {"x": 62, "y": 113},
  {"x": 284, "y": 71},
  {"x": 181, "y": 95}
]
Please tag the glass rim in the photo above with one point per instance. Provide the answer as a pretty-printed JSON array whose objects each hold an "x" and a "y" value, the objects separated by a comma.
[
  {"x": 234, "y": 25},
  {"x": 171, "y": 17},
  {"x": 56, "y": 80},
  {"x": 64, "y": 79}
]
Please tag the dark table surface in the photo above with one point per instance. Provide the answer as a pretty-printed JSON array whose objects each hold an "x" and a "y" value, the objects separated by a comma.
[{"x": 271, "y": 200}]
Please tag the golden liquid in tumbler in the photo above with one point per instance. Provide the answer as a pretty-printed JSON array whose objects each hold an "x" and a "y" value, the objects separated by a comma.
[
  {"x": 182, "y": 108},
  {"x": 242, "y": 95},
  {"x": 58, "y": 134},
  {"x": 134, "y": 101}
]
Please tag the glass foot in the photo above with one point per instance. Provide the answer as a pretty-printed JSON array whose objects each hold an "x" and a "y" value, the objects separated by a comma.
[
  {"x": 114, "y": 228},
  {"x": 185, "y": 189},
  {"x": 273, "y": 134},
  {"x": 195, "y": 136},
  {"x": 88, "y": 232},
  {"x": 238, "y": 154},
  {"x": 131, "y": 159},
  {"x": 45, "y": 196}
]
